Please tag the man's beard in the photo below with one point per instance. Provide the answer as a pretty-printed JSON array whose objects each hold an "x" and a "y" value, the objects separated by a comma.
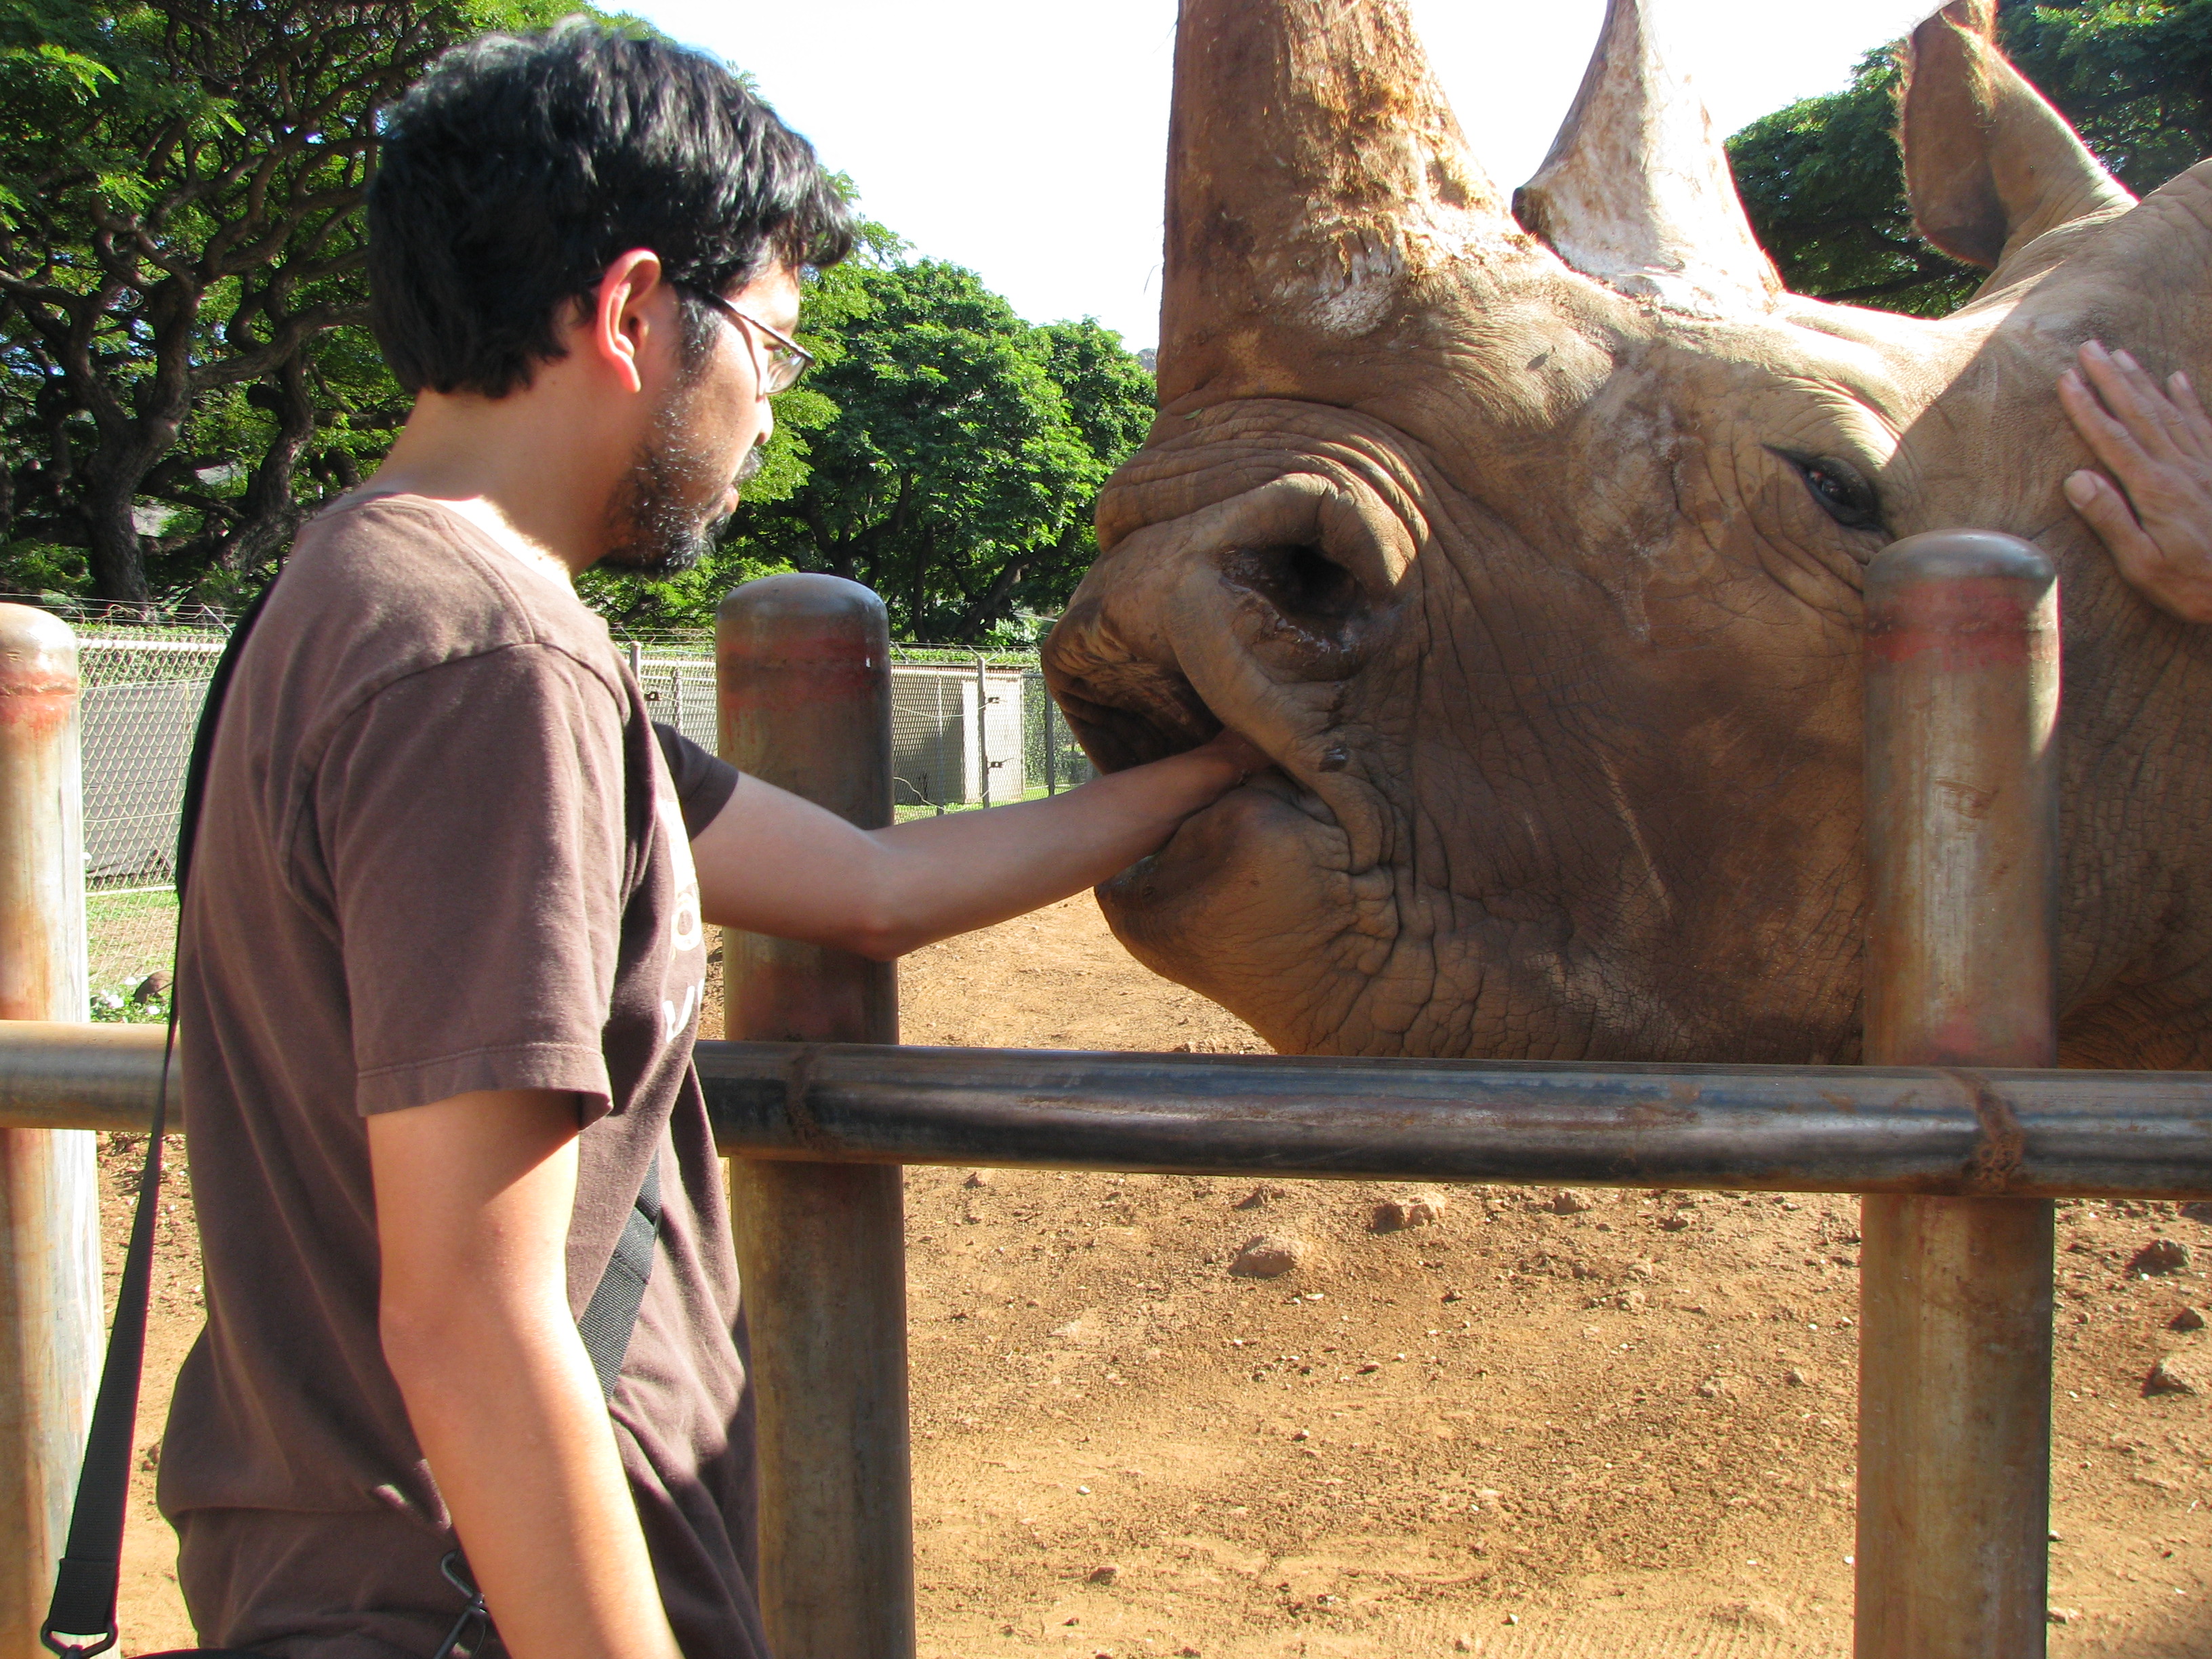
[{"x": 660, "y": 527}]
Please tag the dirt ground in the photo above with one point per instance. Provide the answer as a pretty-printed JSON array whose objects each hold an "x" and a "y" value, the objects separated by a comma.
[{"x": 1571, "y": 1424}]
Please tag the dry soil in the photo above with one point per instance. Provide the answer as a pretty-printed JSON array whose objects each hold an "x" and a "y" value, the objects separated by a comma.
[{"x": 1537, "y": 1423}]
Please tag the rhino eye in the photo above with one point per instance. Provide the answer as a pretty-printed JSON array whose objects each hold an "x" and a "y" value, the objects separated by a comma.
[{"x": 1843, "y": 495}]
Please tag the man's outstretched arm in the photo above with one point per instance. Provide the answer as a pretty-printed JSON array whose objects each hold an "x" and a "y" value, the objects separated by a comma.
[
  {"x": 771, "y": 863},
  {"x": 473, "y": 1196}
]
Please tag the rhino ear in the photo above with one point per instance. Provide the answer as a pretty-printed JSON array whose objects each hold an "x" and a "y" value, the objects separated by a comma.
[
  {"x": 1989, "y": 164},
  {"x": 1636, "y": 191}
]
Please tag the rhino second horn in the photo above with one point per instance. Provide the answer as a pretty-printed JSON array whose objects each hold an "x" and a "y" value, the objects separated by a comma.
[{"x": 1636, "y": 191}]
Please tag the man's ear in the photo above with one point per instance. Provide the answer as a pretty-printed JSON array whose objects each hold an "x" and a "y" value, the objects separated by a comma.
[{"x": 616, "y": 326}]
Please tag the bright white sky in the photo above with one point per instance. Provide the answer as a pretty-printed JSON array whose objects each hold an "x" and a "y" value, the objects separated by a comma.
[{"x": 1027, "y": 139}]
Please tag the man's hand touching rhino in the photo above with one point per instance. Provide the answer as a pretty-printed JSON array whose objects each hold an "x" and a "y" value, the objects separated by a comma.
[
  {"x": 2156, "y": 520},
  {"x": 781, "y": 864}
]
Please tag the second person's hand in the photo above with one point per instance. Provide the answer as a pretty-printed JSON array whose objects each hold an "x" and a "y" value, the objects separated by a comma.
[{"x": 2154, "y": 514}]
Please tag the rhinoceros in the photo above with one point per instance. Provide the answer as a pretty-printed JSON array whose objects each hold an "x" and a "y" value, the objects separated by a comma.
[{"x": 1527, "y": 540}]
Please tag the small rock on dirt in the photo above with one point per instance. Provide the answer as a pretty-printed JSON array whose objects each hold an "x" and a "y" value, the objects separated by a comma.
[
  {"x": 2062, "y": 1615},
  {"x": 1795, "y": 1378},
  {"x": 1106, "y": 1572},
  {"x": 2160, "y": 1255},
  {"x": 978, "y": 1178},
  {"x": 1259, "y": 1197},
  {"x": 1568, "y": 1201},
  {"x": 1268, "y": 1256},
  {"x": 2173, "y": 1375},
  {"x": 2189, "y": 1319},
  {"x": 1395, "y": 1214},
  {"x": 1462, "y": 1644},
  {"x": 1751, "y": 1615}
]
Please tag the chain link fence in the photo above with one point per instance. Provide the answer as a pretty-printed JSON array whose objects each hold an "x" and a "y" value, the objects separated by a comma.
[
  {"x": 142, "y": 692},
  {"x": 975, "y": 734},
  {"x": 966, "y": 731}
]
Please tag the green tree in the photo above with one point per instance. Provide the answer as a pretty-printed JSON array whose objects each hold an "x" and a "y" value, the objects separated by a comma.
[
  {"x": 1826, "y": 191},
  {"x": 957, "y": 471},
  {"x": 181, "y": 252}
]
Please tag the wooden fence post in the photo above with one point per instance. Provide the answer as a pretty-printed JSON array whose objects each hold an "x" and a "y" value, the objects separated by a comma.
[
  {"x": 802, "y": 664},
  {"x": 50, "y": 1286},
  {"x": 1955, "y": 1341}
]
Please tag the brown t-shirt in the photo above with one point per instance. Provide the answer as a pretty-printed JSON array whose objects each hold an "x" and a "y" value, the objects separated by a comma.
[{"x": 442, "y": 850}]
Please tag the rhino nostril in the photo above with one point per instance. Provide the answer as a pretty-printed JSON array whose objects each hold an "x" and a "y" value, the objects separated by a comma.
[{"x": 1304, "y": 583}]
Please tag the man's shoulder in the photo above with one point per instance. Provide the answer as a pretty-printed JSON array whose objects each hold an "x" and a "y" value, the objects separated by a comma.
[{"x": 380, "y": 589}]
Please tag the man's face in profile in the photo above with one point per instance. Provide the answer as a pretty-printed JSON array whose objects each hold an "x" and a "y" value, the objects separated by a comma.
[{"x": 706, "y": 438}]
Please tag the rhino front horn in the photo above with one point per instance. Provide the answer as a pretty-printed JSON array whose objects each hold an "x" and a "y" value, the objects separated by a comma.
[
  {"x": 1636, "y": 191},
  {"x": 1317, "y": 181}
]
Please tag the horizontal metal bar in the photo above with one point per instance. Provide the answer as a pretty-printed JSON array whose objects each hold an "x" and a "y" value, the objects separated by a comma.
[
  {"x": 1780, "y": 1128},
  {"x": 1792, "y": 1128},
  {"x": 56, "y": 1076}
]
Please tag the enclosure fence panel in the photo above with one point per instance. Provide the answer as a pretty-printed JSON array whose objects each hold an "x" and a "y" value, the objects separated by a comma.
[
  {"x": 1052, "y": 760},
  {"x": 142, "y": 692}
]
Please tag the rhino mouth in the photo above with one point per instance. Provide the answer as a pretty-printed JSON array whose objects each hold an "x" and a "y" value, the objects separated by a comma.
[
  {"x": 1135, "y": 713},
  {"x": 1128, "y": 712},
  {"x": 1159, "y": 714}
]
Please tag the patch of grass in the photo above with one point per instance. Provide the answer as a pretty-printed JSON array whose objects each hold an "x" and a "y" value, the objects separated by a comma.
[{"x": 128, "y": 936}]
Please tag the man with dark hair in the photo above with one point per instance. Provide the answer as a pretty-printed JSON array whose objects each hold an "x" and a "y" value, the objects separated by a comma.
[{"x": 442, "y": 953}]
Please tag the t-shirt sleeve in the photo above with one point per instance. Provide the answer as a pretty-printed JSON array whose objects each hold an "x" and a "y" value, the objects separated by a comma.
[
  {"x": 472, "y": 822},
  {"x": 704, "y": 782}
]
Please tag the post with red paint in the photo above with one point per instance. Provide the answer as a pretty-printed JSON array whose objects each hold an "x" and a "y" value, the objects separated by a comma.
[
  {"x": 803, "y": 666},
  {"x": 49, "y": 1300},
  {"x": 1962, "y": 663}
]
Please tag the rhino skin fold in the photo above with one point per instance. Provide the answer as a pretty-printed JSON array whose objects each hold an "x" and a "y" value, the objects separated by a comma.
[{"x": 1962, "y": 663}]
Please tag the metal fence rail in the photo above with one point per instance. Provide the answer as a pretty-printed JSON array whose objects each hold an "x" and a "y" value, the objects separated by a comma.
[{"x": 1925, "y": 1130}]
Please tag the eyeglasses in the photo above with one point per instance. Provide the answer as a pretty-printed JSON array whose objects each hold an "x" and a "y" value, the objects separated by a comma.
[{"x": 782, "y": 362}]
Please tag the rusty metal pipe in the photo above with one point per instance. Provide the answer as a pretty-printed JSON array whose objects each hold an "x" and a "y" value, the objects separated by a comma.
[
  {"x": 803, "y": 666},
  {"x": 50, "y": 1297},
  {"x": 1766, "y": 1128},
  {"x": 1962, "y": 661},
  {"x": 68, "y": 1076}
]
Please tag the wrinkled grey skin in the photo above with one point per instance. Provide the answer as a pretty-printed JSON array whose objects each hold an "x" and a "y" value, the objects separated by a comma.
[{"x": 1545, "y": 597}]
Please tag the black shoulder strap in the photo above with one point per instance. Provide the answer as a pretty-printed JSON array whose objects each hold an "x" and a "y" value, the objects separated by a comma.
[
  {"x": 86, "y": 1584},
  {"x": 612, "y": 1314}
]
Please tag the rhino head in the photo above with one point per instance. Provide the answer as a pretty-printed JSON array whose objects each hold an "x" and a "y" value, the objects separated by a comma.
[{"x": 1528, "y": 543}]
